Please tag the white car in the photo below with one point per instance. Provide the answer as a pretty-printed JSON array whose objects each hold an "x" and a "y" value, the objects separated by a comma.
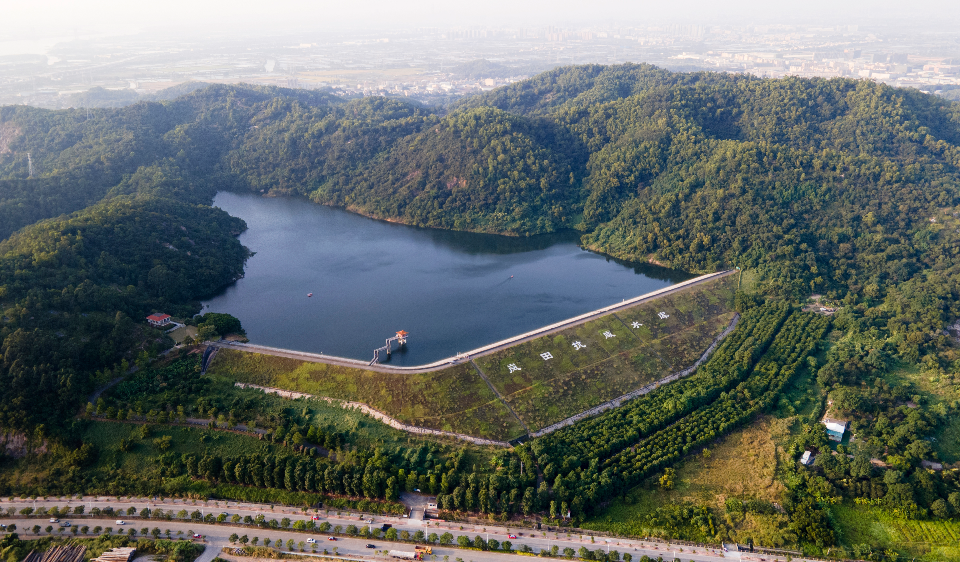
[
  {"x": 54, "y": 520},
  {"x": 312, "y": 541},
  {"x": 119, "y": 522}
]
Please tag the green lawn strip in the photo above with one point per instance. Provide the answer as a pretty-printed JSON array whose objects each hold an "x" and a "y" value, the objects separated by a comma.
[
  {"x": 927, "y": 540},
  {"x": 542, "y": 395},
  {"x": 142, "y": 453},
  {"x": 683, "y": 309},
  {"x": 568, "y": 350},
  {"x": 548, "y": 402},
  {"x": 406, "y": 397},
  {"x": 948, "y": 442},
  {"x": 250, "y": 405},
  {"x": 683, "y": 349},
  {"x": 491, "y": 420}
]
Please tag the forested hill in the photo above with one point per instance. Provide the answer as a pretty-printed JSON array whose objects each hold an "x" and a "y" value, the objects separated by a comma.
[{"x": 837, "y": 186}]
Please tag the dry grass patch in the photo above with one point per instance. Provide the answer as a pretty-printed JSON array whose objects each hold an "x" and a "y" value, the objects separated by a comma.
[{"x": 742, "y": 466}]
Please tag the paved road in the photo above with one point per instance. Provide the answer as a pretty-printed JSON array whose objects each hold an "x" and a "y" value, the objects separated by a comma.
[{"x": 217, "y": 535}]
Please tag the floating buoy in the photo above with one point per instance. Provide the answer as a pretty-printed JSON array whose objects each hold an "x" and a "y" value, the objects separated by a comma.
[{"x": 309, "y": 294}]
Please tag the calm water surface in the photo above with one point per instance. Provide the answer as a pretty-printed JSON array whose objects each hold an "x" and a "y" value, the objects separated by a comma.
[{"x": 452, "y": 291}]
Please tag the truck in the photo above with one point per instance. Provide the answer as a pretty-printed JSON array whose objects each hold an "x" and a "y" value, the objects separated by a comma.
[{"x": 418, "y": 553}]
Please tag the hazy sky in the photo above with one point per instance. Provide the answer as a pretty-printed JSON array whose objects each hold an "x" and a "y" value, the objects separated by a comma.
[{"x": 56, "y": 17}]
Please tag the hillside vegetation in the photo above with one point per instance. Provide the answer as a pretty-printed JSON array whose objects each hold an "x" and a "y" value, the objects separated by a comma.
[{"x": 843, "y": 188}]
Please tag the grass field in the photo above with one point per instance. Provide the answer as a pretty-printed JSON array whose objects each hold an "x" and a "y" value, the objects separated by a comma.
[
  {"x": 587, "y": 365},
  {"x": 741, "y": 466},
  {"x": 925, "y": 540},
  {"x": 181, "y": 334},
  {"x": 605, "y": 358},
  {"x": 141, "y": 456},
  {"x": 455, "y": 399}
]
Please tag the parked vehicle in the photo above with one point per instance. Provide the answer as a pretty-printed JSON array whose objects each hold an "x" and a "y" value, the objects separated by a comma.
[
  {"x": 312, "y": 541},
  {"x": 119, "y": 522},
  {"x": 511, "y": 536},
  {"x": 54, "y": 520},
  {"x": 371, "y": 546},
  {"x": 331, "y": 538}
]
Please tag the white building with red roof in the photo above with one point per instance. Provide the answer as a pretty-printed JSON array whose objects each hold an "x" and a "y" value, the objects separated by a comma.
[{"x": 159, "y": 319}]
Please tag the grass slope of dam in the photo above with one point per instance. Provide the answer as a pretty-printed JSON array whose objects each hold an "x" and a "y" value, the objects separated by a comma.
[{"x": 529, "y": 385}]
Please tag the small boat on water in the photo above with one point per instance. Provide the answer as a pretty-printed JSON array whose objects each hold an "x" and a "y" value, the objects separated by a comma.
[{"x": 309, "y": 294}]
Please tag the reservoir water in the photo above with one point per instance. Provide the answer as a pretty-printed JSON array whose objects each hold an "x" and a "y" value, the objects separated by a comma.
[{"x": 452, "y": 291}]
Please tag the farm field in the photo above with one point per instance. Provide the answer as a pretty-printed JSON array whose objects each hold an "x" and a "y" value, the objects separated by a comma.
[{"x": 552, "y": 377}]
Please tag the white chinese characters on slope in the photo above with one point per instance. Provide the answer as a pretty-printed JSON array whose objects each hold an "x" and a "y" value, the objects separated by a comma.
[
  {"x": 663, "y": 315},
  {"x": 608, "y": 334},
  {"x": 513, "y": 367},
  {"x": 578, "y": 345},
  {"x": 546, "y": 355},
  {"x": 635, "y": 325}
]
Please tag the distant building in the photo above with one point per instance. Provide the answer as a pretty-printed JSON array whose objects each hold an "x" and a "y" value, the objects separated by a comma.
[
  {"x": 159, "y": 319},
  {"x": 835, "y": 428}
]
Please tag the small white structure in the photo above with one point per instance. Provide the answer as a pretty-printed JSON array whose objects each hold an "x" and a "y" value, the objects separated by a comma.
[
  {"x": 835, "y": 428},
  {"x": 807, "y": 458}
]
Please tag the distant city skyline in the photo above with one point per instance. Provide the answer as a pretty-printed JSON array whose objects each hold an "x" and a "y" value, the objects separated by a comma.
[
  {"x": 54, "y": 18},
  {"x": 436, "y": 64}
]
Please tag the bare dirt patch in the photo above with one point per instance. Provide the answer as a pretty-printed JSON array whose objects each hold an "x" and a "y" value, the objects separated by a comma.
[{"x": 8, "y": 133}]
